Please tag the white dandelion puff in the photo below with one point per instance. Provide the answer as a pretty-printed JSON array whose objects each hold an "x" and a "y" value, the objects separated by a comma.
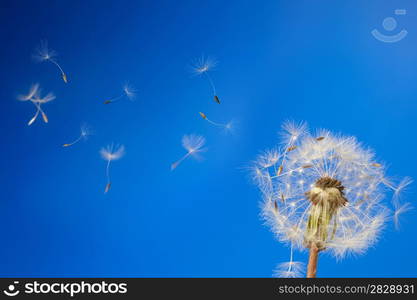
[
  {"x": 34, "y": 96},
  {"x": 193, "y": 144},
  {"x": 324, "y": 192},
  {"x": 110, "y": 153},
  {"x": 128, "y": 91},
  {"x": 85, "y": 132},
  {"x": 203, "y": 66},
  {"x": 43, "y": 53}
]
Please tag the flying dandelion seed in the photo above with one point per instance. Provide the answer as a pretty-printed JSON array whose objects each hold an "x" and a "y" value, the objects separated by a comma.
[
  {"x": 399, "y": 188},
  {"x": 34, "y": 90},
  {"x": 43, "y": 53},
  {"x": 85, "y": 132},
  {"x": 110, "y": 153},
  {"x": 202, "y": 66},
  {"x": 193, "y": 144},
  {"x": 323, "y": 192},
  {"x": 290, "y": 269},
  {"x": 34, "y": 96},
  {"x": 38, "y": 101},
  {"x": 398, "y": 211},
  {"x": 227, "y": 126},
  {"x": 128, "y": 92},
  {"x": 399, "y": 208}
]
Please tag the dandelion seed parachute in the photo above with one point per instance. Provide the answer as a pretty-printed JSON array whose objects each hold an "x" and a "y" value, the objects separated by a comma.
[
  {"x": 43, "y": 53},
  {"x": 110, "y": 153},
  {"x": 202, "y": 66},
  {"x": 193, "y": 144},
  {"x": 323, "y": 191},
  {"x": 33, "y": 91},
  {"x": 405, "y": 182},
  {"x": 290, "y": 269},
  {"x": 84, "y": 133},
  {"x": 38, "y": 101},
  {"x": 34, "y": 96},
  {"x": 399, "y": 210},
  {"x": 128, "y": 91}
]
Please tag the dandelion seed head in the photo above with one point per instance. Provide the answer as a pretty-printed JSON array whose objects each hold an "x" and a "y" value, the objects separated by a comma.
[
  {"x": 323, "y": 188},
  {"x": 112, "y": 152}
]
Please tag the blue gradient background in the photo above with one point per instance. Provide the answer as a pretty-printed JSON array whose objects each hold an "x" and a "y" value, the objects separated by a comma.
[{"x": 302, "y": 60}]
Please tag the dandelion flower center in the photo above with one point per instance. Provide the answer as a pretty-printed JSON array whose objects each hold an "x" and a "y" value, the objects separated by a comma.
[{"x": 327, "y": 197}]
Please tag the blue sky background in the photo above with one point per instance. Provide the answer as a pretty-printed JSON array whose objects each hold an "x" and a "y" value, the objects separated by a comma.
[{"x": 304, "y": 60}]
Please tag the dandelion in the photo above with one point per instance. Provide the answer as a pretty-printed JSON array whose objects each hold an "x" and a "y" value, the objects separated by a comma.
[
  {"x": 34, "y": 96},
  {"x": 109, "y": 154},
  {"x": 128, "y": 92},
  {"x": 227, "y": 126},
  {"x": 324, "y": 192},
  {"x": 202, "y": 66},
  {"x": 193, "y": 144},
  {"x": 85, "y": 132},
  {"x": 43, "y": 53}
]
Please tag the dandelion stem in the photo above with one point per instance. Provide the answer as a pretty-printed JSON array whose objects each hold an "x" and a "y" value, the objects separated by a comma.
[
  {"x": 291, "y": 259},
  {"x": 115, "y": 99},
  {"x": 34, "y": 117},
  {"x": 64, "y": 76},
  {"x": 108, "y": 177},
  {"x": 108, "y": 171},
  {"x": 74, "y": 142},
  {"x": 312, "y": 261},
  {"x": 211, "y": 82},
  {"x": 39, "y": 110},
  {"x": 175, "y": 164},
  {"x": 215, "y": 124}
]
